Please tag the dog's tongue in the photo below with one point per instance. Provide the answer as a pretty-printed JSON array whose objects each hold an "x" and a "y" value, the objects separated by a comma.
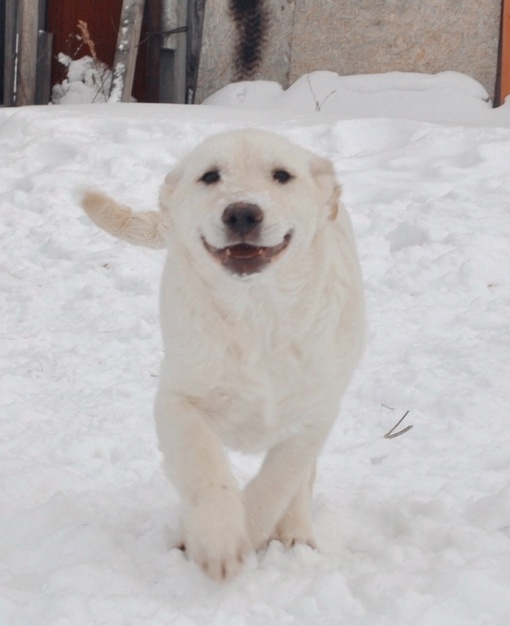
[{"x": 244, "y": 251}]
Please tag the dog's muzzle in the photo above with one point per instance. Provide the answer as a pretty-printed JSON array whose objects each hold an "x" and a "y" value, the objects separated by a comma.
[
  {"x": 246, "y": 258},
  {"x": 242, "y": 222}
]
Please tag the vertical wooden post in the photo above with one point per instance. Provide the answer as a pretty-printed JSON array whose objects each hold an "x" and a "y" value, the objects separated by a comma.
[
  {"x": 153, "y": 49},
  {"x": 196, "y": 11},
  {"x": 11, "y": 29},
  {"x": 180, "y": 53},
  {"x": 127, "y": 49},
  {"x": 43, "y": 81},
  {"x": 28, "y": 18},
  {"x": 504, "y": 61}
]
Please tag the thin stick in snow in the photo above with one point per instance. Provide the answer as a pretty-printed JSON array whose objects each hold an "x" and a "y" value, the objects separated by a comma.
[{"x": 391, "y": 434}]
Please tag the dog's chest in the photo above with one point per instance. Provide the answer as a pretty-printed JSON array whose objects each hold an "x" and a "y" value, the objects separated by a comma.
[
  {"x": 254, "y": 415},
  {"x": 259, "y": 373},
  {"x": 259, "y": 395}
]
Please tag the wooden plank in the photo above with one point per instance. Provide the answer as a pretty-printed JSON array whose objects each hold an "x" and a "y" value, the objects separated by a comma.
[
  {"x": 43, "y": 80},
  {"x": 196, "y": 11},
  {"x": 28, "y": 19},
  {"x": 127, "y": 49},
  {"x": 181, "y": 53},
  {"x": 504, "y": 61},
  {"x": 153, "y": 49},
  {"x": 11, "y": 29}
]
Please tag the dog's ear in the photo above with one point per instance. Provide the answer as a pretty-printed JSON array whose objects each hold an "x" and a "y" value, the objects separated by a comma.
[{"x": 329, "y": 189}]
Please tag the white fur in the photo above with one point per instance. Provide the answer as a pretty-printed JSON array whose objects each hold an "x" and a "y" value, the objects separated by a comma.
[{"x": 257, "y": 362}]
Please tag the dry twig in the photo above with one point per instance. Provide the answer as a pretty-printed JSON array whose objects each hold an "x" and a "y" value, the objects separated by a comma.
[
  {"x": 85, "y": 35},
  {"x": 318, "y": 105},
  {"x": 391, "y": 434}
]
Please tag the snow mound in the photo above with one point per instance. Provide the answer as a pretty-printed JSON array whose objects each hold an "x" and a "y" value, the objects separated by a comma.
[
  {"x": 442, "y": 97},
  {"x": 87, "y": 81}
]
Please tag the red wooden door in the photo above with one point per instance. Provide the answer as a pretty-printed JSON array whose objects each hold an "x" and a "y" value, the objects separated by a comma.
[{"x": 102, "y": 17}]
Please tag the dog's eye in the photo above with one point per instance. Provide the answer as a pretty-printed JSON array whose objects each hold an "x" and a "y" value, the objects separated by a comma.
[
  {"x": 210, "y": 177},
  {"x": 282, "y": 176}
]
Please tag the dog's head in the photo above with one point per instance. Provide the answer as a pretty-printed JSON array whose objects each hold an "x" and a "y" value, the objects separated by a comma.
[{"x": 249, "y": 198}]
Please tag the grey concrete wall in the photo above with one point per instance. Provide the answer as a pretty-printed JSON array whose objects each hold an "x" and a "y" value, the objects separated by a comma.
[
  {"x": 357, "y": 37},
  {"x": 218, "y": 56}
]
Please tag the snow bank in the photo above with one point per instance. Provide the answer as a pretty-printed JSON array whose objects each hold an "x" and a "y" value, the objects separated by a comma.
[
  {"x": 88, "y": 80},
  {"x": 447, "y": 97}
]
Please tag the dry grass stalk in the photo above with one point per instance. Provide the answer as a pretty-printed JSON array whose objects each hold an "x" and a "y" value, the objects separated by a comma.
[
  {"x": 391, "y": 434},
  {"x": 87, "y": 40}
]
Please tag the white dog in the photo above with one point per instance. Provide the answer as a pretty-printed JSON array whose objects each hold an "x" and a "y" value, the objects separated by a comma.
[{"x": 262, "y": 322}]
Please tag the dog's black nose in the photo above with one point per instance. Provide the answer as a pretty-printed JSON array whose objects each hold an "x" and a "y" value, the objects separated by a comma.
[{"x": 242, "y": 217}]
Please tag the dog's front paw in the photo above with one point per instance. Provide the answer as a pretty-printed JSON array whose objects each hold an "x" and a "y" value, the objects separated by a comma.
[
  {"x": 293, "y": 530},
  {"x": 215, "y": 536}
]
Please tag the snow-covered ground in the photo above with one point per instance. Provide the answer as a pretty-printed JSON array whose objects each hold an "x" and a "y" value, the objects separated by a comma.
[{"x": 413, "y": 530}]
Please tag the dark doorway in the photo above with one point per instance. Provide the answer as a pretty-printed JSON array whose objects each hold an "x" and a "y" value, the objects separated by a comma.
[{"x": 102, "y": 17}]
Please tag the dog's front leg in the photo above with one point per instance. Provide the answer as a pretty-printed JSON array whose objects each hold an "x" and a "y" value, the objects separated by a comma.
[
  {"x": 282, "y": 489},
  {"x": 214, "y": 520},
  {"x": 295, "y": 524}
]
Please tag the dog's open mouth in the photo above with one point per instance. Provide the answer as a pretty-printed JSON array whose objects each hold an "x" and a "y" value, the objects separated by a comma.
[{"x": 246, "y": 258}]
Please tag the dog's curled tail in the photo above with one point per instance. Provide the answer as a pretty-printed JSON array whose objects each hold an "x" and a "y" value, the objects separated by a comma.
[{"x": 147, "y": 228}]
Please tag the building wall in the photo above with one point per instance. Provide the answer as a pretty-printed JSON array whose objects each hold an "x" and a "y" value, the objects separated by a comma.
[
  {"x": 219, "y": 57},
  {"x": 355, "y": 37}
]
